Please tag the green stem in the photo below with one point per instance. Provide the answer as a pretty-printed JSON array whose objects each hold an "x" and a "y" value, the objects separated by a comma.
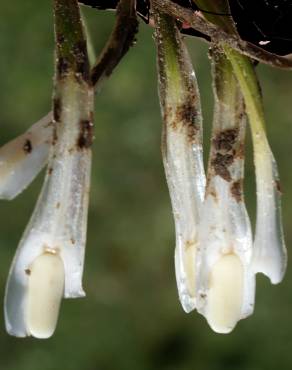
[
  {"x": 71, "y": 49},
  {"x": 243, "y": 70},
  {"x": 246, "y": 76},
  {"x": 219, "y": 35},
  {"x": 218, "y": 15}
]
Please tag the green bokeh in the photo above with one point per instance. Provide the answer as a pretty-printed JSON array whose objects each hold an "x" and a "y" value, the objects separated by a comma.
[{"x": 131, "y": 318}]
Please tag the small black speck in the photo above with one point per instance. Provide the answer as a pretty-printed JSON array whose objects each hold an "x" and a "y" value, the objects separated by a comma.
[{"x": 27, "y": 146}]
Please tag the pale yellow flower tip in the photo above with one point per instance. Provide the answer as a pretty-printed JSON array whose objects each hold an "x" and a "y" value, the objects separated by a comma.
[
  {"x": 225, "y": 296},
  {"x": 190, "y": 267},
  {"x": 45, "y": 291}
]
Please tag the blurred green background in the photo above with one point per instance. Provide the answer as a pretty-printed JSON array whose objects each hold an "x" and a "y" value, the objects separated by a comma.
[{"x": 131, "y": 318}]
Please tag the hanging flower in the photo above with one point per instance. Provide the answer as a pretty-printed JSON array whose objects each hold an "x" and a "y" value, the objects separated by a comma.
[
  {"x": 226, "y": 281},
  {"x": 49, "y": 260},
  {"x": 216, "y": 255},
  {"x": 181, "y": 150}
]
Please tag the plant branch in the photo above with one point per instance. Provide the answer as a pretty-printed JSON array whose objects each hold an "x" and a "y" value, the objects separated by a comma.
[
  {"x": 121, "y": 39},
  {"x": 218, "y": 35},
  {"x": 71, "y": 48}
]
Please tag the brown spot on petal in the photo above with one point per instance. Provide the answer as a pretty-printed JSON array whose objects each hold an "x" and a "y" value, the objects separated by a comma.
[
  {"x": 57, "y": 109},
  {"x": 81, "y": 60},
  {"x": 185, "y": 112},
  {"x": 185, "y": 116},
  {"x": 225, "y": 140},
  {"x": 278, "y": 186},
  {"x": 213, "y": 193},
  {"x": 167, "y": 112},
  {"x": 85, "y": 138},
  {"x": 62, "y": 67},
  {"x": 236, "y": 190},
  {"x": 27, "y": 146},
  {"x": 189, "y": 243},
  {"x": 220, "y": 163},
  {"x": 240, "y": 151}
]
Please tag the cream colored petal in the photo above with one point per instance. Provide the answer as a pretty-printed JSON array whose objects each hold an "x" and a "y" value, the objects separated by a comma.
[
  {"x": 226, "y": 285},
  {"x": 45, "y": 291}
]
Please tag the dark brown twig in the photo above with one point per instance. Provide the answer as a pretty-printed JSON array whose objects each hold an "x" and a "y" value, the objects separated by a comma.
[
  {"x": 217, "y": 35},
  {"x": 121, "y": 39}
]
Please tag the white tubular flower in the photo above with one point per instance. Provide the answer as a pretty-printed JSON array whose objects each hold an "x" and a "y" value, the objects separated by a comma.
[
  {"x": 225, "y": 281},
  {"x": 22, "y": 158},
  {"x": 181, "y": 149},
  {"x": 49, "y": 260},
  {"x": 54, "y": 242},
  {"x": 270, "y": 255}
]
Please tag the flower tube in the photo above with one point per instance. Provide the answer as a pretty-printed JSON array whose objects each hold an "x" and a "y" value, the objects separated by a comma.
[
  {"x": 225, "y": 280},
  {"x": 181, "y": 149},
  {"x": 58, "y": 224},
  {"x": 22, "y": 158},
  {"x": 270, "y": 255},
  {"x": 48, "y": 264},
  {"x": 49, "y": 259}
]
